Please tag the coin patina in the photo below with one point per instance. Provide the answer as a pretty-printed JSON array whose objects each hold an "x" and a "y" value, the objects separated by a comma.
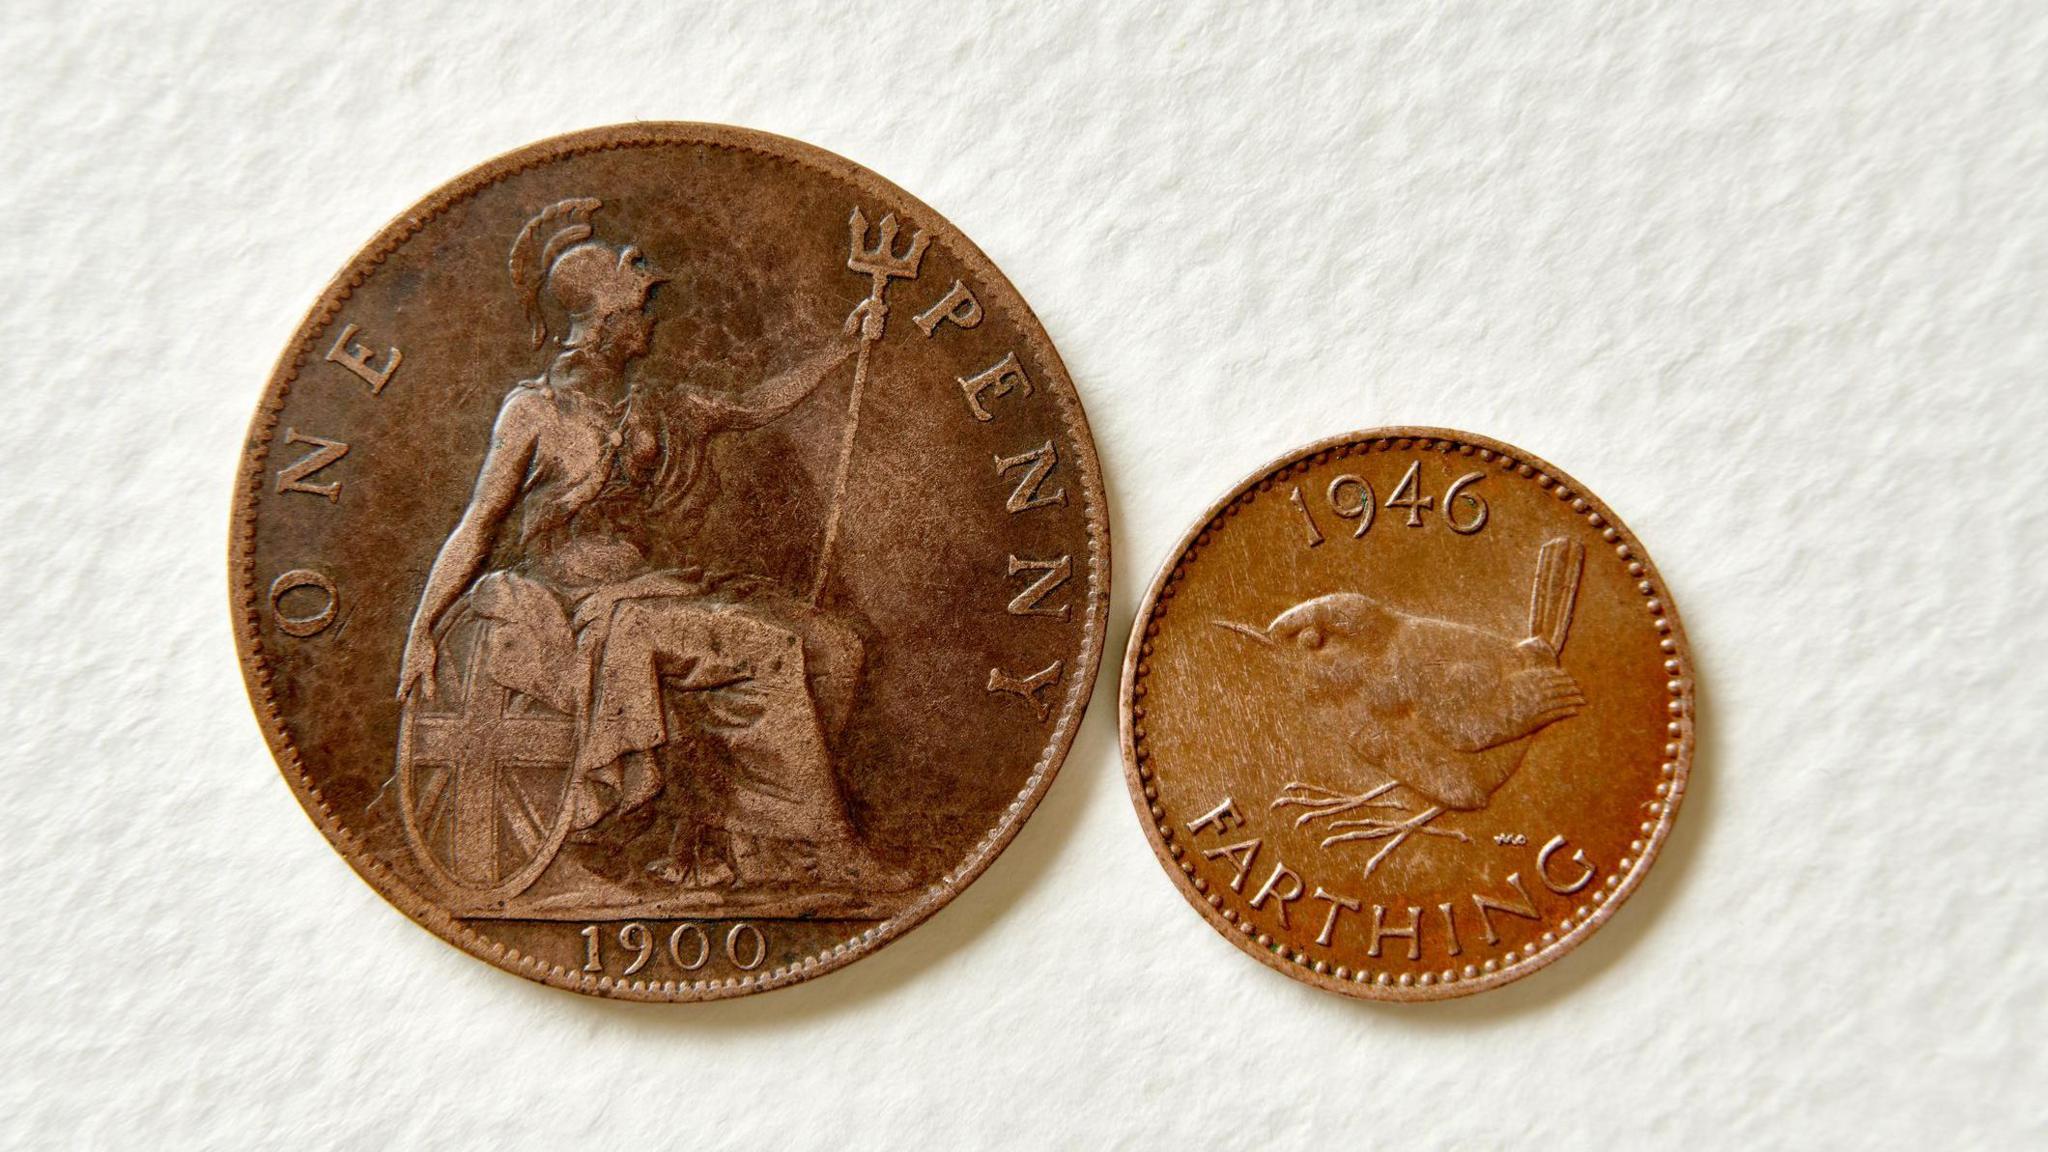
[
  {"x": 669, "y": 562},
  {"x": 1408, "y": 714}
]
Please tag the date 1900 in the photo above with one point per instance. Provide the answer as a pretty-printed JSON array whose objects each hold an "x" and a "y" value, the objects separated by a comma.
[{"x": 688, "y": 947}]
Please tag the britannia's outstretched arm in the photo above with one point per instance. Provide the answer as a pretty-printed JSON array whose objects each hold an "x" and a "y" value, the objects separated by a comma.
[
  {"x": 497, "y": 488},
  {"x": 773, "y": 397}
]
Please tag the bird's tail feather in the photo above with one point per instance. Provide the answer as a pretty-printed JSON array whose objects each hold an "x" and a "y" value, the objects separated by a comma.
[{"x": 1557, "y": 586}]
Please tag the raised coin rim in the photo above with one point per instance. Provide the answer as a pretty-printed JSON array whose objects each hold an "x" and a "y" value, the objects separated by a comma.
[
  {"x": 245, "y": 603},
  {"x": 1393, "y": 992}
]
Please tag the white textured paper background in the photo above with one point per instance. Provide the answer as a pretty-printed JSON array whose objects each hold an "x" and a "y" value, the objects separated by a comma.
[{"x": 1768, "y": 277}]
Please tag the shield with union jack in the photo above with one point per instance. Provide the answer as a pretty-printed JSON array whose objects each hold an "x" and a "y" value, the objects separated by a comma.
[{"x": 484, "y": 775}]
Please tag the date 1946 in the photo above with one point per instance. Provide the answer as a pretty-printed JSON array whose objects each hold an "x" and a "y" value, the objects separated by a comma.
[{"x": 1352, "y": 498}]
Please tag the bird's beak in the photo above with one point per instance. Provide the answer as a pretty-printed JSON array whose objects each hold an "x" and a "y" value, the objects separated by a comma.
[{"x": 1258, "y": 634}]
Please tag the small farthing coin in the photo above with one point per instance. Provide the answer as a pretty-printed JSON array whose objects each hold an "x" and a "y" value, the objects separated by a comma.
[
  {"x": 670, "y": 562},
  {"x": 1408, "y": 714}
]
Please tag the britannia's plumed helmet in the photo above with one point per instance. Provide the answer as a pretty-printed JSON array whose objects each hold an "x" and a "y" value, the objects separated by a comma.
[{"x": 555, "y": 254}]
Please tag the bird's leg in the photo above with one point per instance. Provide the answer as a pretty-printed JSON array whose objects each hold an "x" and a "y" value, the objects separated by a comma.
[
  {"x": 1418, "y": 824},
  {"x": 1375, "y": 829},
  {"x": 1325, "y": 802},
  {"x": 1394, "y": 832}
]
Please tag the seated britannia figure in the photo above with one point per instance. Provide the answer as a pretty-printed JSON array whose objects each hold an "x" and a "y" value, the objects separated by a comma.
[{"x": 553, "y": 551}]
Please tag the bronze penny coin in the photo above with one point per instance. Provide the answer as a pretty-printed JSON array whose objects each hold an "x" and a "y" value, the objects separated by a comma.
[
  {"x": 670, "y": 562},
  {"x": 1408, "y": 714}
]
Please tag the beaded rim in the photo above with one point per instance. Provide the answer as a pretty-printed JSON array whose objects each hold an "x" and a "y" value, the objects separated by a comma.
[
  {"x": 244, "y": 597},
  {"x": 1563, "y": 935}
]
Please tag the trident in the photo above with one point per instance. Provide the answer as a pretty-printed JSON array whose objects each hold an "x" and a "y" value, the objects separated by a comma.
[{"x": 882, "y": 263}]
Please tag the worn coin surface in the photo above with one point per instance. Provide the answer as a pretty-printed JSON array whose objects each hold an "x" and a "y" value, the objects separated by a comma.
[
  {"x": 1408, "y": 714},
  {"x": 669, "y": 562}
]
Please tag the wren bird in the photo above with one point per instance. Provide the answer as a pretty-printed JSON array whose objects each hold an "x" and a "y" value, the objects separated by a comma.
[{"x": 1445, "y": 709}]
